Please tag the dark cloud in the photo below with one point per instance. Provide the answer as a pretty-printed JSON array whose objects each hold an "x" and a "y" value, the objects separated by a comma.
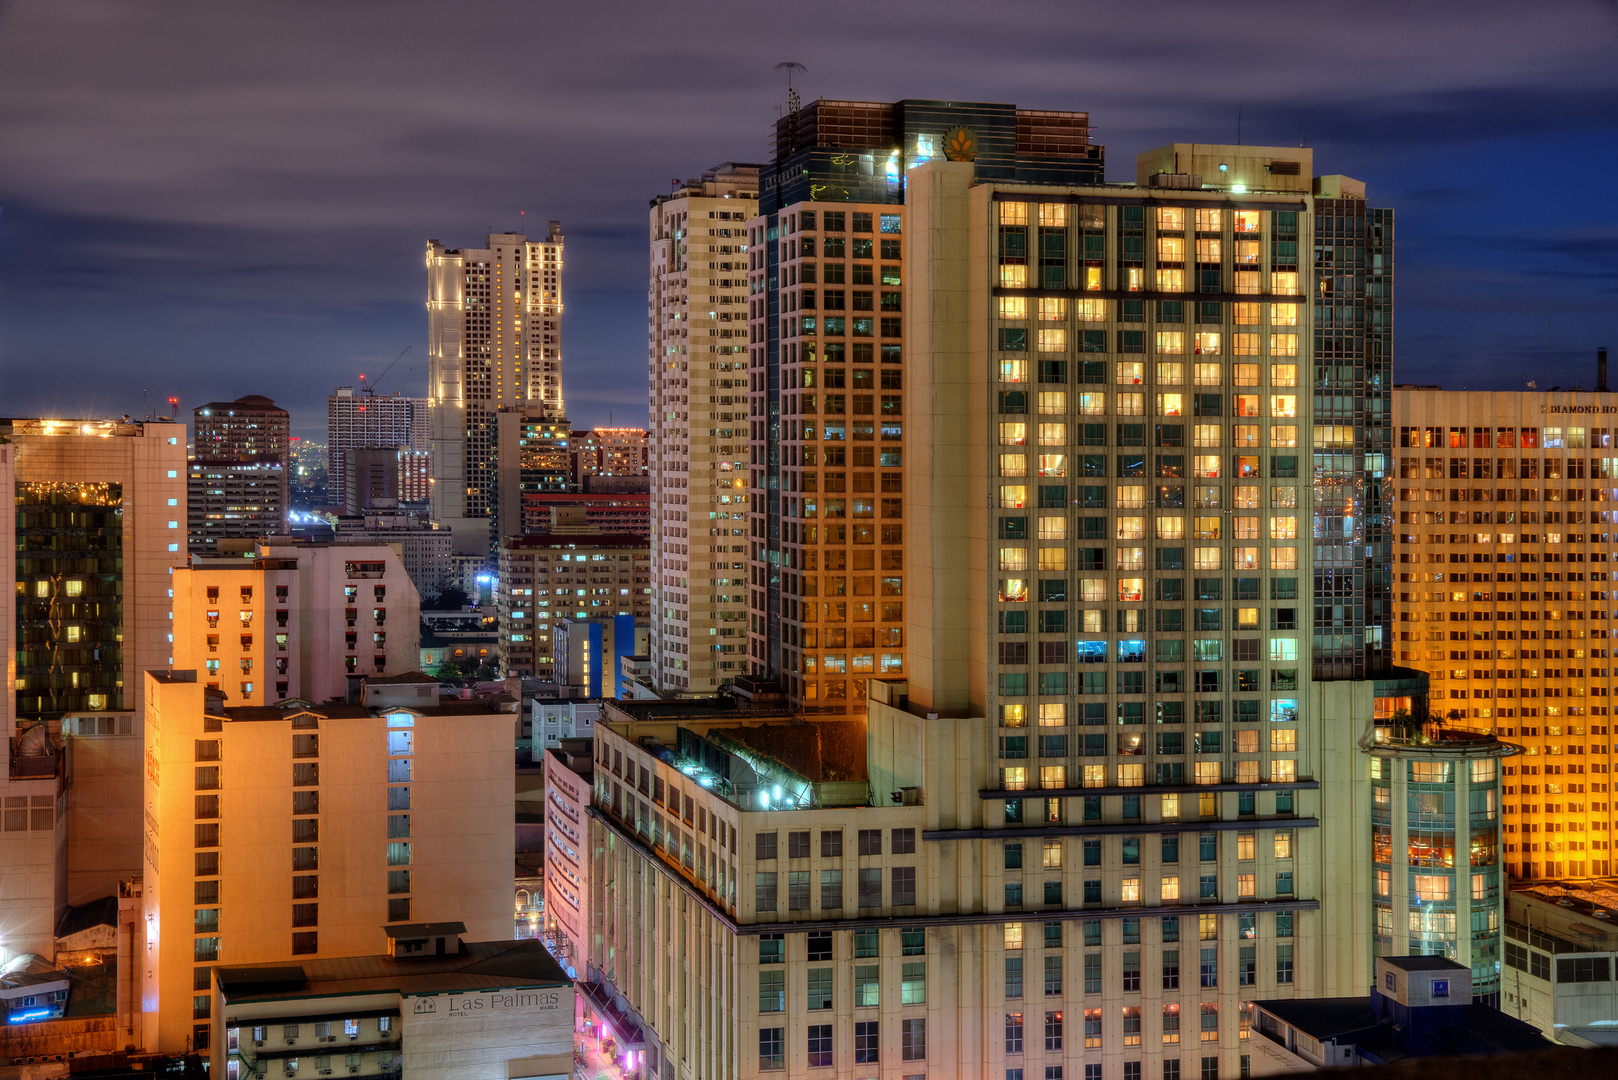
[{"x": 213, "y": 199}]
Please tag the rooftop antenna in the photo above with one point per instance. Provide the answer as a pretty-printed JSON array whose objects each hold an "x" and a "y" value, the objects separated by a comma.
[{"x": 793, "y": 101}]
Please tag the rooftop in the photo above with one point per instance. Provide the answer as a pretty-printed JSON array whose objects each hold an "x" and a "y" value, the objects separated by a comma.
[{"x": 482, "y": 965}]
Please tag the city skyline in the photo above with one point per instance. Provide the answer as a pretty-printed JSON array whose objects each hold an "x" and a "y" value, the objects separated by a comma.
[{"x": 276, "y": 220}]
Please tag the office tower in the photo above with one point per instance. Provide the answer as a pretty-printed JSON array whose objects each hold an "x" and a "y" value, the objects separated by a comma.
[
  {"x": 275, "y": 834},
  {"x": 827, "y": 304},
  {"x": 544, "y": 577},
  {"x": 367, "y": 421},
  {"x": 534, "y": 460},
  {"x": 697, "y": 310},
  {"x": 298, "y": 620},
  {"x": 494, "y": 327},
  {"x": 610, "y": 454},
  {"x": 239, "y": 474},
  {"x": 1504, "y": 593},
  {"x": 99, "y": 509}
]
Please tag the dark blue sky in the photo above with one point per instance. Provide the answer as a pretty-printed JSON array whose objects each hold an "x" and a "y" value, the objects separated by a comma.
[{"x": 214, "y": 199}]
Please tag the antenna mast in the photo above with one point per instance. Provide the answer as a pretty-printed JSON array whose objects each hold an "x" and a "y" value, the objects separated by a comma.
[{"x": 793, "y": 102}]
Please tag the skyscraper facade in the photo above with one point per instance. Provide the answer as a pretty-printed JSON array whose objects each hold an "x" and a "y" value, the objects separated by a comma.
[
  {"x": 1505, "y": 599},
  {"x": 494, "y": 323},
  {"x": 827, "y": 303},
  {"x": 366, "y": 421},
  {"x": 697, "y": 305}
]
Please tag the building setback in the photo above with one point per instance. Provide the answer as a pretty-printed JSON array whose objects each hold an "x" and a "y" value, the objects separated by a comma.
[{"x": 698, "y": 297}]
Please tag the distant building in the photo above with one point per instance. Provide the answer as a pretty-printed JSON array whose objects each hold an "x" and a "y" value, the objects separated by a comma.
[
  {"x": 458, "y": 637},
  {"x": 1420, "y": 1006},
  {"x": 238, "y": 486},
  {"x": 310, "y": 474},
  {"x": 367, "y": 421},
  {"x": 494, "y": 325},
  {"x": 546, "y": 577},
  {"x": 482, "y": 1010},
  {"x": 245, "y": 862},
  {"x": 609, "y": 452}
]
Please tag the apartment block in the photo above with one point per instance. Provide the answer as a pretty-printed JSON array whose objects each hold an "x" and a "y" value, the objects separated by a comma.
[
  {"x": 97, "y": 528},
  {"x": 547, "y": 577},
  {"x": 279, "y": 834},
  {"x": 698, "y": 300},
  {"x": 425, "y": 550},
  {"x": 296, "y": 621},
  {"x": 494, "y": 324},
  {"x": 1505, "y": 599}
]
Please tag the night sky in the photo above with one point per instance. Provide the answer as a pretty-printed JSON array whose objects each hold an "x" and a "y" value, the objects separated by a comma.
[{"x": 215, "y": 199}]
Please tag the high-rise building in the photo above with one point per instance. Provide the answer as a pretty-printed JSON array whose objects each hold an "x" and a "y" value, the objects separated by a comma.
[
  {"x": 238, "y": 482},
  {"x": 1504, "y": 599},
  {"x": 367, "y": 421},
  {"x": 494, "y": 323},
  {"x": 1146, "y": 504},
  {"x": 97, "y": 529},
  {"x": 611, "y": 453},
  {"x": 546, "y": 577},
  {"x": 280, "y": 833},
  {"x": 698, "y": 371},
  {"x": 827, "y": 302},
  {"x": 296, "y": 621}
]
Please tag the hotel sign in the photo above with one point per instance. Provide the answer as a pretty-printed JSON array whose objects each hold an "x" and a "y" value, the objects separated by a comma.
[
  {"x": 489, "y": 1003},
  {"x": 1593, "y": 409}
]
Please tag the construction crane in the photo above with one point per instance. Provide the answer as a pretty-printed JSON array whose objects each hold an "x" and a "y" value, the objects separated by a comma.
[{"x": 371, "y": 388}]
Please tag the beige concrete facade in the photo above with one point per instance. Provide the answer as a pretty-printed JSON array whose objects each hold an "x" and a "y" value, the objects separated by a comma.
[
  {"x": 296, "y": 621},
  {"x": 567, "y": 857},
  {"x": 1504, "y": 599},
  {"x": 278, "y": 833},
  {"x": 697, "y": 300}
]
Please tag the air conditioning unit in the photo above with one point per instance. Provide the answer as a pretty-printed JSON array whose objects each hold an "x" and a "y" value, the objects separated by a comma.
[
  {"x": 292, "y": 1042},
  {"x": 258, "y": 1042},
  {"x": 352, "y": 1069},
  {"x": 325, "y": 1072}
]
